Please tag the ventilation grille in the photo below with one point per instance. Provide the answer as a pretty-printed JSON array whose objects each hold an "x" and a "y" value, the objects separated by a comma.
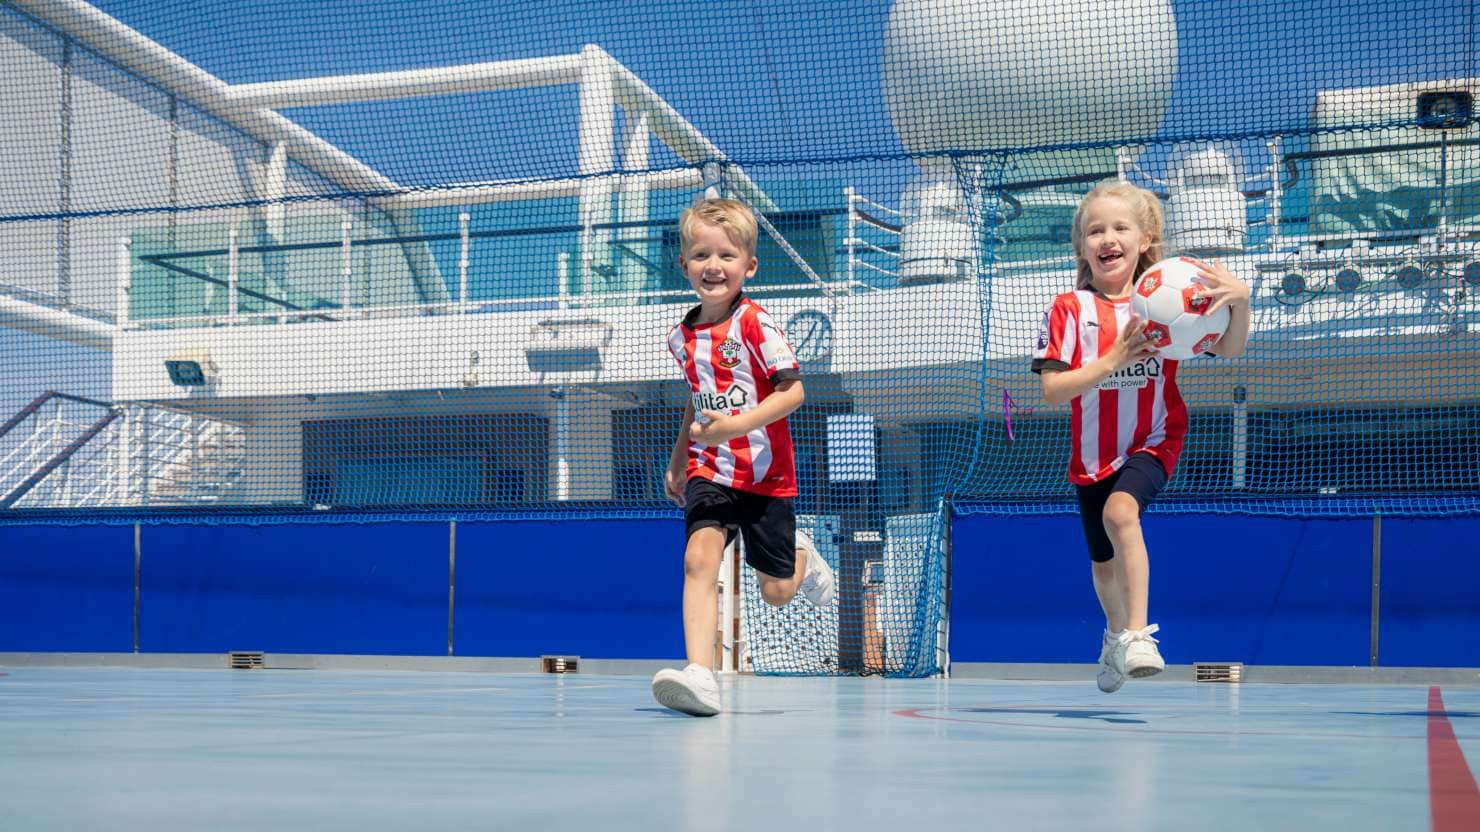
[
  {"x": 245, "y": 659},
  {"x": 1217, "y": 672},
  {"x": 560, "y": 664}
]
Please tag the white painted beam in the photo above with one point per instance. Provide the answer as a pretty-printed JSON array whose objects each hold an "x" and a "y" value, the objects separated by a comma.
[
  {"x": 677, "y": 133},
  {"x": 413, "y": 83},
  {"x": 54, "y": 323},
  {"x": 121, "y": 44},
  {"x": 477, "y": 193}
]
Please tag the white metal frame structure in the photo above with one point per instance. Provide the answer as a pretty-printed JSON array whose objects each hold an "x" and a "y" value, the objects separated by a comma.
[{"x": 605, "y": 85}]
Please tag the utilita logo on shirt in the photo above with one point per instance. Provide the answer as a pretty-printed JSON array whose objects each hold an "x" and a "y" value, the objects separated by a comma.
[
  {"x": 1133, "y": 377},
  {"x": 732, "y": 399}
]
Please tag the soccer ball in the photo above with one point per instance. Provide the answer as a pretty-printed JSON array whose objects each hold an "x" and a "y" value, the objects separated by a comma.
[{"x": 1169, "y": 298}]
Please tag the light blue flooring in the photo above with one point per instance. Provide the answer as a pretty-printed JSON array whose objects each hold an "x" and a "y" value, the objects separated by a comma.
[{"x": 124, "y": 749}]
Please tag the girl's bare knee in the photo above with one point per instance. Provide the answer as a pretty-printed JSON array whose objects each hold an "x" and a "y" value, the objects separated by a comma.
[{"x": 1122, "y": 513}]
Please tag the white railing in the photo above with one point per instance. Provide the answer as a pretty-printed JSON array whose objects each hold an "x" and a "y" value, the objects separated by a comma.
[
  {"x": 47, "y": 436},
  {"x": 149, "y": 456},
  {"x": 871, "y": 239}
]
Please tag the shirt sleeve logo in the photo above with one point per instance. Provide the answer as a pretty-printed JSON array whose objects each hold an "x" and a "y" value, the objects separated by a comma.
[{"x": 777, "y": 355}]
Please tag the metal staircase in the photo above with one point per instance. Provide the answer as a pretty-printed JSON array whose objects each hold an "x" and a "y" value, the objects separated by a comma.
[{"x": 65, "y": 451}]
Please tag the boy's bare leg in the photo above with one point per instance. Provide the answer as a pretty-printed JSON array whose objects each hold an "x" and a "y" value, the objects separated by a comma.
[
  {"x": 701, "y": 562},
  {"x": 778, "y": 592}
]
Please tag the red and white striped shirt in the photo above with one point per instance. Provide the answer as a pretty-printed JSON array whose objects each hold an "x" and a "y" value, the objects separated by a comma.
[
  {"x": 1135, "y": 409},
  {"x": 731, "y": 366}
]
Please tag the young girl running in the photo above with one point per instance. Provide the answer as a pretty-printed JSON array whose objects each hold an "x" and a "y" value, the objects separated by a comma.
[{"x": 1127, "y": 421}]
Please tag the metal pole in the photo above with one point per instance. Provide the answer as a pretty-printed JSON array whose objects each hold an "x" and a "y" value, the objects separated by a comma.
[
  {"x": 597, "y": 133},
  {"x": 64, "y": 225},
  {"x": 944, "y": 636},
  {"x": 1443, "y": 187},
  {"x": 138, "y": 562},
  {"x": 562, "y": 443},
  {"x": 146, "y": 442},
  {"x": 1240, "y": 436},
  {"x": 231, "y": 273},
  {"x": 562, "y": 276},
  {"x": 1376, "y": 580},
  {"x": 850, "y": 194},
  {"x": 451, "y": 580},
  {"x": 464, "y": 220},
  {"x": 125, "y": 281},
  {"x": 713, "y": 179},
  {"x": 1276, "y": 192},
  {"x": 346, "y": 288},
  {"x": 722, "y": 642},
  {"x": 118, "y": 476}
]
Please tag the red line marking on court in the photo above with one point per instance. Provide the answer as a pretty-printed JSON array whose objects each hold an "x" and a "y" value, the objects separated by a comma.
[{"x": 1454, "y": 799}]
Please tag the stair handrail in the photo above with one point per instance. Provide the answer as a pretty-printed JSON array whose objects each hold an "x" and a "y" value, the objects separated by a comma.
[
  {"x": 65, "y": 453},
  {"x": 36, "y": 404}
]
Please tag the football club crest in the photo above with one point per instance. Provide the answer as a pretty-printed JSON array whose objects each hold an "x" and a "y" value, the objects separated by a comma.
[{"x": 729, "y": 353}]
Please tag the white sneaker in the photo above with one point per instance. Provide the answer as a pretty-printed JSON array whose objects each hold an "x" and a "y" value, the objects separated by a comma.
[
  {"x": 1109, "y": 679},
  {"x": 693, "y": 690},
  {"x": 818, "y": 585},
  {"x": 1139, "y": 657}
]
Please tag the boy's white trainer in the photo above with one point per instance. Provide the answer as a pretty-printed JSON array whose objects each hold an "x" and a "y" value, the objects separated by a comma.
[
  {"x": 1109, "y": 679},
  {"x": 693, "y": 690},
  {"x": 817, "y": 585},
  {"x": 1139, "y": 657}
]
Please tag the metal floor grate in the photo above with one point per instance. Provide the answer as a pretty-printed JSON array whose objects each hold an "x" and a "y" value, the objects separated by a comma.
[
  {"x": 246, "y": 659},
  {"x": 1217, "y": 672}
]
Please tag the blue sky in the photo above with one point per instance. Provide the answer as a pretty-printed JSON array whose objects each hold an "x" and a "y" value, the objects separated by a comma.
[{"x": 766, "y": 80}]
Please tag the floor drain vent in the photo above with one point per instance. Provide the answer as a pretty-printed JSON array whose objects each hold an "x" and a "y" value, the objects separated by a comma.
[
  {"x": 560, "y": 664},
  {"x": 245, "y": 659},
  {"x": 1217, "y": 672}
]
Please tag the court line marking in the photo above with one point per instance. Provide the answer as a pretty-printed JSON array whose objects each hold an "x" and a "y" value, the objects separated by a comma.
[
  {"x": 1454, "y": 798},
  {"x": 922, "y": 713},
  {"x": 339, "y": 694}
]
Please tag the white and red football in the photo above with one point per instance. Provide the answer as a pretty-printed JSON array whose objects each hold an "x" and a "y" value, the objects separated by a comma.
[{"x": 1170, "y": 298}]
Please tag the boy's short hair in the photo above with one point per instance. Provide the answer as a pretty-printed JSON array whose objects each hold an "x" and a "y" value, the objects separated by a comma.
[{"x": 735, "y": 217}]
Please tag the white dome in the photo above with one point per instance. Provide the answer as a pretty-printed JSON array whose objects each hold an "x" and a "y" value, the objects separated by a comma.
[{"x": 1022, "y": 73}]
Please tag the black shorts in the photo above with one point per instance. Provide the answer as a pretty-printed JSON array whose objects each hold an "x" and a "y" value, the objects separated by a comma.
[
  {"x": 1142, "y": 476},
  {"x": 766, "y": 524}
]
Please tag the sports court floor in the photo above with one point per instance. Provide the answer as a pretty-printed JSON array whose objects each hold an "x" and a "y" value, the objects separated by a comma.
[{"x": 158, "y": 749}]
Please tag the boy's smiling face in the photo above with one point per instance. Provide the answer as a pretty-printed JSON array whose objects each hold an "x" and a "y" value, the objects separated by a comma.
[{"x": 716, "y": 267}]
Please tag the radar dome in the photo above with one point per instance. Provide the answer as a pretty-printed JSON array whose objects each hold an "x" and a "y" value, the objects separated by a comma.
[{"x": 963, "y": 74}]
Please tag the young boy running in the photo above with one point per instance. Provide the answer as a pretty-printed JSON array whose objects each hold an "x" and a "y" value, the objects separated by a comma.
[{"x": 732, "y": 467}]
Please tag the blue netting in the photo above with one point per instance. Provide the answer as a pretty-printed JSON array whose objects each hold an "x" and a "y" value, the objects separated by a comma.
[{"x": 384, "y": 260}]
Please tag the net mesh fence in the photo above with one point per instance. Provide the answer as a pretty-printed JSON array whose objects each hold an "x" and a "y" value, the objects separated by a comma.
[{"x": 378, "y": 259}]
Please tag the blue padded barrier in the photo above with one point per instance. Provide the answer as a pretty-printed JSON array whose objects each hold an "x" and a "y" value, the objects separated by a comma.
[
  {"x": 354, "y": 589},
  {"x": 66, "y": 588}
]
